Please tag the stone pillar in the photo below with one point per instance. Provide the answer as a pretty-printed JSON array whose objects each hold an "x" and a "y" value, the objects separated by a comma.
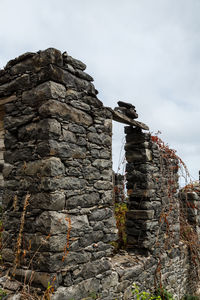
[
  {"x": 58, "y": 197},
  {"x": 152, "y": 181},
  {"x": 190, "y": 231},
  {"x": 190, "y": 206}
]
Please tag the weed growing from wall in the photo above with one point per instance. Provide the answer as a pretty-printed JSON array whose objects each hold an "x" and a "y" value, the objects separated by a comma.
[
  {"x": 120, "y": 215},
  {"x": 26, "y": 291},
  {"x": 66, "y": 249},
  {"x": 19, "y": 238},
  {"x": 160, "y": 294}
]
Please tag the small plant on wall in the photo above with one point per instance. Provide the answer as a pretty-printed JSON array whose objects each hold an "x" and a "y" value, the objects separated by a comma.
[
  {"x": 160, "y": 294},
  {"x": 120, "y": 214},
  {"x": 120, "y": 210}
]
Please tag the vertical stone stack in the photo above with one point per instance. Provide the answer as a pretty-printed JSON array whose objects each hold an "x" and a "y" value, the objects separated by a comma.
[
  {"x": 189, "y": 197},
  {"x": 190, "y": 227},
  {"x": 153, "y": 224},
  {"x": 190, "y": 205},
  {"x": 153, "y": 218},
  {"x": 58, "y": 215},
  {"x": 140, "y": 225}
]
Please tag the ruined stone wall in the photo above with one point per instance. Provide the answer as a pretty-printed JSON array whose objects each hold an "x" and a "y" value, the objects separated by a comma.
[
  {"x": 153, "y": 219},
  {"x": 58, "y": 217},
  {"x": 59, "y": 224},
  {"x": 152, "y": 183}
]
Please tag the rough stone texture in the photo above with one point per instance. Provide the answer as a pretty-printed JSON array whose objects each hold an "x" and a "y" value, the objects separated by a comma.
[
  {"x": 153, "y": 219},
  {"x": 58, "y": 201},
  {"x": 52, "y": 127}
]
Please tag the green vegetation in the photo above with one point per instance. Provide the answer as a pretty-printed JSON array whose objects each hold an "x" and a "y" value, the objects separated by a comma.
[
  {"x": 160, "y": 294},
  {"x": 190, "y": 297},
  {"x": 120, "y": 215},
  {"x": 165, "y": 295},
  {"x": 2, "y": 294},
  {"x": 142, "y": 295}
]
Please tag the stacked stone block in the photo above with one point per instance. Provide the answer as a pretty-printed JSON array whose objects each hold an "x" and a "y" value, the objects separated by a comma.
[
  {"x": 190, "y": 205},
  {"x": 151, "y": 183},
  {"x": 58, "y": 154},
  {"x": 153, "y": 226},
  {"x": 190, "y": 227}
]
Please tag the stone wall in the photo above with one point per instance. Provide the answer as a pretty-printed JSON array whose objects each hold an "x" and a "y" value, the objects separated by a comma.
[
  {"x": 152, "y": 183},
  {"x": 58, "y": 216},
  {"x": 58, "y": 202},
  {"x": 153, "y": 219}
]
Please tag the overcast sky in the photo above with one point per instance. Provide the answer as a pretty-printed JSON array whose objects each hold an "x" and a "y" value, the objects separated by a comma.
[{"x": 146, "y": 52}]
